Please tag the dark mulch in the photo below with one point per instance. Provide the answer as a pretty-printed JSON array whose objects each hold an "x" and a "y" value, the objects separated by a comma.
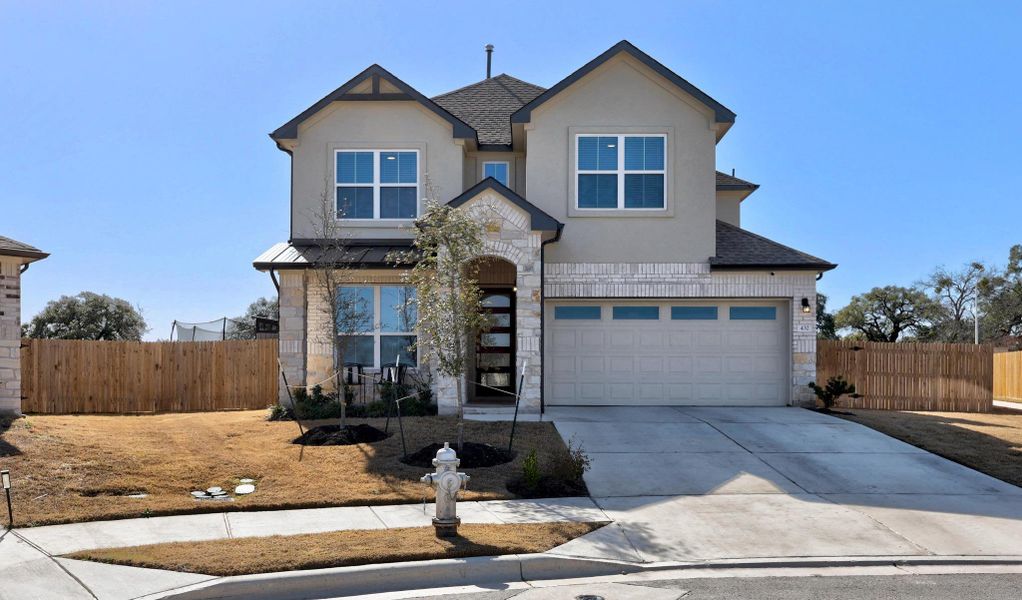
[
  {"x": 548, "y": 487},
  {"x": 473, "y": 455},
  {"x": 831, "y": 411},
  {"x": 335, "y": 435}
]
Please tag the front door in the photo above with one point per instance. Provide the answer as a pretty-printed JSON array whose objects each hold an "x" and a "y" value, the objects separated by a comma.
[{"x": 495, "y": 349}]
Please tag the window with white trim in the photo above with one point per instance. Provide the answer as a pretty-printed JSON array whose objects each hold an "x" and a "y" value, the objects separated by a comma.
[
  {"x": 497, "y": 169},
  {"x": 620, "y": 172},
  {"x": 388, "y": 316},
  {"x": 376, "y": 184}
]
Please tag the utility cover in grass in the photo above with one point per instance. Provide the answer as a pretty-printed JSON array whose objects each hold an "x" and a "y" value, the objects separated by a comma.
[
  {"x": 473, "y": 455},
  {"x": 335, "y": 435}
]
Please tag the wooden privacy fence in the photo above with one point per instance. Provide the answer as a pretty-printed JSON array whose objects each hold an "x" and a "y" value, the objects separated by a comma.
[
  {"x": 76, "y": 376},
  {"x": 1008, "y": 375},
  {"x": 908, "y": 376}
]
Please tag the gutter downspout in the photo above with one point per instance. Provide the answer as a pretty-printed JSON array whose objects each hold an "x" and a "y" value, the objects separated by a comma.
[
  {"x": 276, "y": 284},
  {"x": 542, "y": 316}
]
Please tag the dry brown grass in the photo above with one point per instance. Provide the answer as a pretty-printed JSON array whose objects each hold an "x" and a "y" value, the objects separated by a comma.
[
  {"x": 988, "y": 442},
  {"x": 244, "y": 556},
  {"x": 78, "y": 468}
]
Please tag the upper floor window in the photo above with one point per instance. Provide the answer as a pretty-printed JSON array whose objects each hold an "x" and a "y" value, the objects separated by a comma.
[
  {"x": 620, "y": 172},
  {"x": 497, "y": 170},
  {"x": 377, "y": 184}
]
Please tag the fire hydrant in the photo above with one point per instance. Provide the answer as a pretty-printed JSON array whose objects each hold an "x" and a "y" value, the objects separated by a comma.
[{"x": 448, "y": 483}]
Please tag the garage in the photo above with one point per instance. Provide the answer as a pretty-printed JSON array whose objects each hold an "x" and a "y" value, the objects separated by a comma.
[{"x": 690, "y": 352}]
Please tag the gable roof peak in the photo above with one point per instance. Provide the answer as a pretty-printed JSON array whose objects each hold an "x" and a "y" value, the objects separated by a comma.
[
  {"x": 375, "y": 73},
  {"x": 722, "y": 114}
]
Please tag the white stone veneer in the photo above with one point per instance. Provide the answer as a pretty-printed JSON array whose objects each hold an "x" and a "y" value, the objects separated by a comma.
[{"x": 10, "y": 335}]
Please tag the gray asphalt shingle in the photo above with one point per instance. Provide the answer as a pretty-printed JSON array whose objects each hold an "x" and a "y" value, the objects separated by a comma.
[
  {"x": 487, "y": 105},
  {"x": 737, "y": 248}
]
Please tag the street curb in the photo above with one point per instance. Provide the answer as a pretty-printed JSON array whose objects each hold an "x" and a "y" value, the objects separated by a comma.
[{"x": 395, "y": 577}]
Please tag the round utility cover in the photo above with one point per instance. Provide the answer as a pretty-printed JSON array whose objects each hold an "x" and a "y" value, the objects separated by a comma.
[{"x": 245, "y": 488}]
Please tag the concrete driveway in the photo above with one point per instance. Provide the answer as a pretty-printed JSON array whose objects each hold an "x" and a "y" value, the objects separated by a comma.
[{"x": 708, "y": 483}]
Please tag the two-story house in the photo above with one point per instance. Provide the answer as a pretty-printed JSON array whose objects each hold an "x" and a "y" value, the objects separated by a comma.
[{"x": 619, "y": 273}]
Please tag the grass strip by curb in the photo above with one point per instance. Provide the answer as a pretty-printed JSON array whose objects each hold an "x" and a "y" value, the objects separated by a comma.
[{"x": 245, "y": 556}]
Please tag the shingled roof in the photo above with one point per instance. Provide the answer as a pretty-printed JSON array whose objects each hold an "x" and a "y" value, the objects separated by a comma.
[
  {"x": 730, "y": 182},
  {"x": 741, "y": 249},
  {"x": 487, "y": 106},
  {"x": 9, "y": 247}
]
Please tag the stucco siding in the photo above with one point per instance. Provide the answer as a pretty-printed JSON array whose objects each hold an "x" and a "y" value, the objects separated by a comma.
[
  {"x": 370, "y": 125},
  {"x": 729, "y": 207},
  {"x": 624, "y": 95}
]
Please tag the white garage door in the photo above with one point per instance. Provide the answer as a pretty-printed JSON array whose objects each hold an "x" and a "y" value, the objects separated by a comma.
[{"x": 712, "y": 352}]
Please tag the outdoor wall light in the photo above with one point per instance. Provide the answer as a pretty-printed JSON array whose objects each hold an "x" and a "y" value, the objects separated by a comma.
[{"x": 805, "y": 306}]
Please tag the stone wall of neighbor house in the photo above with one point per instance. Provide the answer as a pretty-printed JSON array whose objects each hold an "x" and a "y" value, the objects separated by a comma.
[
  {"x": 10, "y": 335},
  {"x": 695, "y": 280}
]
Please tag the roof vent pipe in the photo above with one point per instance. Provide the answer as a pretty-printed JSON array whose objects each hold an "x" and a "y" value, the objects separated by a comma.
[
  {"x": 732, "y": 171},
  {"x": 489, "y": 59}
]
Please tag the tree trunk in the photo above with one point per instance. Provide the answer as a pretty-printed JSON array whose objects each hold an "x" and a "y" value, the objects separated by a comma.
[{"x": 341, "y": 396}]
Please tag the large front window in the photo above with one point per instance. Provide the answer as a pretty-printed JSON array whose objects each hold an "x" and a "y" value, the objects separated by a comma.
[
  {"x": 620, "y": 172},
  {"x": 377, "y": 184},
  {"x": 376, "y": 324}
]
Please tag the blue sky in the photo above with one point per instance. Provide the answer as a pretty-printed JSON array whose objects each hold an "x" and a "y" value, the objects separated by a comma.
[{"x": 887, "y": 137}]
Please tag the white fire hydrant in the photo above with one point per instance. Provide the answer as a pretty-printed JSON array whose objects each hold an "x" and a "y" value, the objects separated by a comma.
[{"x": 448, "y": 483}]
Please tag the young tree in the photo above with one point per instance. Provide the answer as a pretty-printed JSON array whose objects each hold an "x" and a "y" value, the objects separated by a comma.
[
  {"x": 885, "y": 314},
  {"x": 87, "y": 316},
  {"x": 445, "y": 276},
  {"x": 243, "y": 327},
  {"x": 955, "y": 293},
  {"x": 825, "y": 328},
  {"x": 347, "y": 312}
]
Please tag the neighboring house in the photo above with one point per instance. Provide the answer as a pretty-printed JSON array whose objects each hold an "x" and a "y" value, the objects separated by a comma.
[
  {"x": 15, "y": 257},
  {"x": 619, "y": 273}
]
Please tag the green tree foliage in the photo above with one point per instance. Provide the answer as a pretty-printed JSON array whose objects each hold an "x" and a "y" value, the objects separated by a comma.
[
  {"x": 243, "y": 327},
  {"x": 87, "y": 316},
  {"x": 825, "y": 327},
  {"x": 887, "y": 314},
  {"x": 1001, "y": 299}
]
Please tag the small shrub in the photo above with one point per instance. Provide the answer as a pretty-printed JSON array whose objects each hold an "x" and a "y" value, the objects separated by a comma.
[
  {"x": 572, "y": 464},
  {"x": 830, "y": 393},
  {"x": 530, "y": 470}
]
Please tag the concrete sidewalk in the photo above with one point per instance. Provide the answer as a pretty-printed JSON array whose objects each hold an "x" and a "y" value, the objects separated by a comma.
[{"x": 31, "y": 566}]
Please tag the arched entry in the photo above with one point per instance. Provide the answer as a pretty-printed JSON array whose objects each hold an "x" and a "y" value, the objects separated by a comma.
[{"x": 492, "y": 369}]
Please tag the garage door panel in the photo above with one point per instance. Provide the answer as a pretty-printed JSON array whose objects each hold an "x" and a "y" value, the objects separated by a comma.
[{"x": 695, "y": 361}]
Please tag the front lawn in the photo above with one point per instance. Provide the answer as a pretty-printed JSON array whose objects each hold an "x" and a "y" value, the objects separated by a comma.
[
  {"x": 81, "y": 468},
  {"x": 988, "y": 442},
  {"x": 243, "y": 556}
]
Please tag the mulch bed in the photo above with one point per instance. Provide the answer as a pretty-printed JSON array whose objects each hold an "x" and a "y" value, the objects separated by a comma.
[
  {"x": 548, "y": 487},
  {"x": 335, "y": 435},
  {"x": 473, "y": 455}
]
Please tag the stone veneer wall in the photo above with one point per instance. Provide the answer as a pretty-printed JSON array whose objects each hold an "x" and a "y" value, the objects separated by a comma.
[
  {"x": 509, "y": 236},
  {"x": 292, "y": 336},
  {"x": 695, "y": 280},
  {"x": 10, "y": 335}
]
